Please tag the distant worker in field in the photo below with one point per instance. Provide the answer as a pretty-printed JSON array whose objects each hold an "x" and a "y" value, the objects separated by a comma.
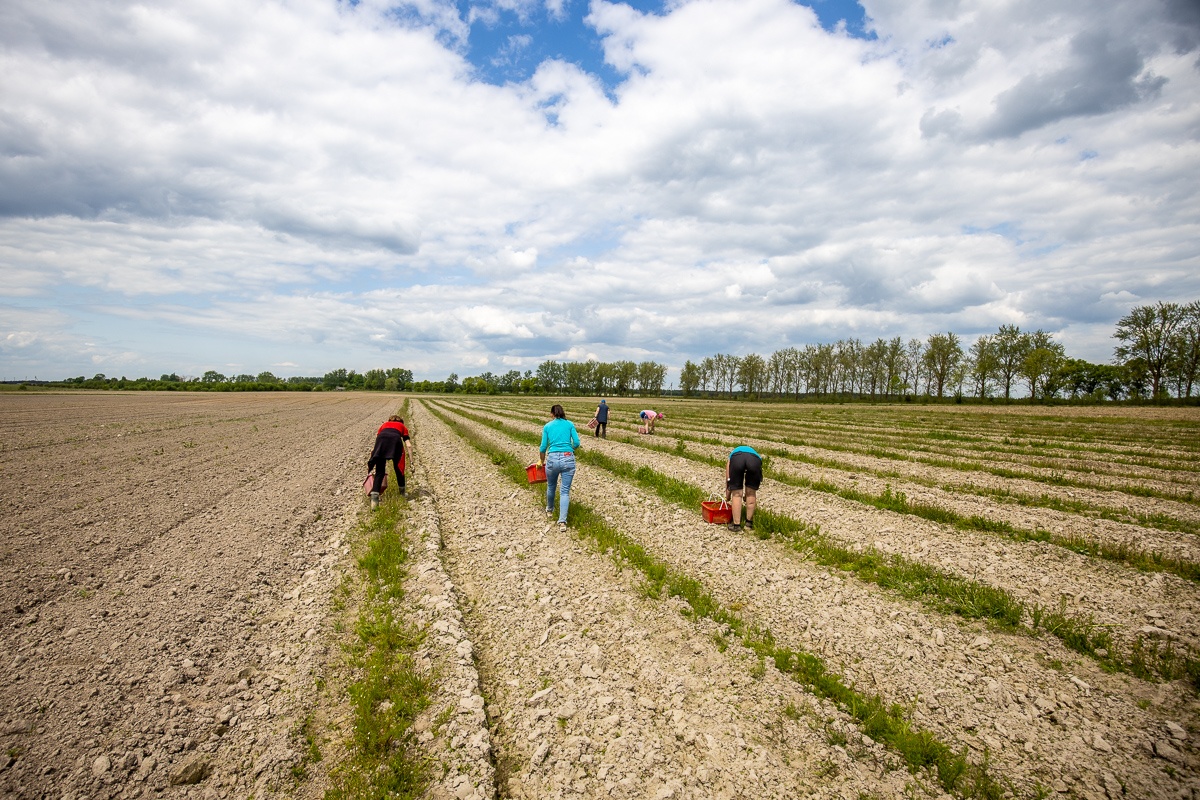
[
  {"x": 557, "y": 454},
  {"x": 601, "y": 417},
  {"x": 391, "y": 444},
  {"x": 743, "y": 475},
  {"x": 649, "y": 417}
]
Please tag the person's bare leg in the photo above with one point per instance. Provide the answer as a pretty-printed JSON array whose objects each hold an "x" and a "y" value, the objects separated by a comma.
[
  {"x": 751, "y": 504},
  {"x": 735, "y": 503}
]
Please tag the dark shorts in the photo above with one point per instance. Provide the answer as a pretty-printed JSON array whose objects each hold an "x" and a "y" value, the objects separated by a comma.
[{"x": 744, "y": 469}]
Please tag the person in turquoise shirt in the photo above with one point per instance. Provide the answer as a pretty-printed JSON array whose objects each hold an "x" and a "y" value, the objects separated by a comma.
[
  {"x": 557, "y": 454},
  {"x": 743, "y": 475}
]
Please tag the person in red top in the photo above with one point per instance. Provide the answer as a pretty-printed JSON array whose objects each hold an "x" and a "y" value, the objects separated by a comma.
[{"x": 391, "y": 444}]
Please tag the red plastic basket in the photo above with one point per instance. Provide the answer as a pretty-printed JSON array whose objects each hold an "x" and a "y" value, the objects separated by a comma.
[
  {"x": 369, "y": 483},
  {"x": 642, "y": 429},
  {"x": 536, "y": 473},
  {"x": 716, "y": 511}
]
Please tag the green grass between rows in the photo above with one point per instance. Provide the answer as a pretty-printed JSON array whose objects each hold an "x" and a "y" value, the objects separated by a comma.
[{"x": 388, "y": 692}]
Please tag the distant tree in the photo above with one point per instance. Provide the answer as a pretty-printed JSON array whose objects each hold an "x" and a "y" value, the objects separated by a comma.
[
  {"x": 625, "y": 377},
  {"x": 605, "y": 378},
  {"x": 1041, "y": 364},
  {"x": 374, "y": 380},
  {"x": 914, "y": 358},
  {"x": 1184, "y": 364},
  {"x": 1146, "y": 334},
  {"x": 172, "y": 378},
  {"x": 266, "y": 377},
  {"x": 1011, "y": 348},
  {"x": 211, "y": 376},
  {"x": 509, "y": 382},
  {"x": 707, "y": 372},
  {"x": 894, "y": 367},
  {"x": 450, "y": 385},
  {"x": 650, "y": 377},
  {"x": 751, "y": 373},
  {"x": 726, "y": 367},
  {"x": 334, "y": 378},
  {"x": 550, "y": 376},
  {"x": 579, "y": 376},
  {"x": 985, "y": 365},
  {"x": 403, "y": 377},
  {"x": 874, "y": 367},
  {"x": 1082, "y": 379},
  {"x": 940, "y": 359},
  {"x": 848, "y": 357},
  {"x": 689, "y": 378}
]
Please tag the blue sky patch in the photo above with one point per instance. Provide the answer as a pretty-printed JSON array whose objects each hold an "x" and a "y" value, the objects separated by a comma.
[{"x": 507, "y": 47}]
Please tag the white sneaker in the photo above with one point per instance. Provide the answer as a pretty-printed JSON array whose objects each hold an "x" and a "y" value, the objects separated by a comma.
[{"x": 374, "y": 500}]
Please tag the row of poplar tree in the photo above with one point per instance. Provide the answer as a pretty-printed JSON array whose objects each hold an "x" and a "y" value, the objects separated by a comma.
[{"x": 1158, "y": 356}]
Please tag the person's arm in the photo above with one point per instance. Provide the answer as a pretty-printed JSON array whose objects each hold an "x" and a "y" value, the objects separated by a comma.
[
  {"x": 575, "y": 443},
  {"x": 728, "y": 494},
  {"x": 542, "y": 447}
]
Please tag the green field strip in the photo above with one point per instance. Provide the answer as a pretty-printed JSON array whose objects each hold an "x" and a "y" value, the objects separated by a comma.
[
  {"x": 883, "y": 722},
  {"x": 1060, "y": 472},
  {"x": 987, "y": 424},
  {"x": 1142, "y": 559},
  {"x": 1137, "y": 435},
  {"x": 1147, "y": 444},
  {"x": 1180, "y": 463},
  {"x": 938, "y": 590},
  {"x": 387, "y": 692}
]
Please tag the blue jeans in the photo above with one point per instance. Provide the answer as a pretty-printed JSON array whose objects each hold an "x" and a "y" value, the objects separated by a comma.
[{"x": 559, "y": 464}]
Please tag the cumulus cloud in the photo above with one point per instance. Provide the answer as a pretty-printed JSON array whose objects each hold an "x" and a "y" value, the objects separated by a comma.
[
  {"x": 322, "y": 184},
  {"x": 1101, "y": 75}
]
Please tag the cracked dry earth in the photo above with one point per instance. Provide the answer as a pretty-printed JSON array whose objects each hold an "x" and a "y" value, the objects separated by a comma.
[{"x": 167, "y": 607}]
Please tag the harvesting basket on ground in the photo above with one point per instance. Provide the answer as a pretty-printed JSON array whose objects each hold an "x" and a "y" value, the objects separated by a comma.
[
  {"x": 369, "y": 483},
  {"x": 716, "y": 511}
]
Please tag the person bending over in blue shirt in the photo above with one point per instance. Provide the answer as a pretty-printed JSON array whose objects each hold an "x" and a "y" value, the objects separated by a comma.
[
  {"x": 743, "y": 473},
  {"x": 557, "y": 454}
]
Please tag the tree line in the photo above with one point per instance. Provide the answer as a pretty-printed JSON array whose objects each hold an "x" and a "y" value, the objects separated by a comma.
[
  {"x": 562, "y": 378},
  {"x": 391, "y": 380},
  {"x": 1158, "y": 357}
]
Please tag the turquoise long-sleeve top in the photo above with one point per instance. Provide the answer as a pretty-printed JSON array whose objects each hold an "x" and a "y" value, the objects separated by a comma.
[
  {"x": 744, "y": 449},
  {"x": 559, "y": 436}
]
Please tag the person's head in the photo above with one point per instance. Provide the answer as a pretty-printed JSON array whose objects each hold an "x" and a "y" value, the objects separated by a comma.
[
  {"x": 603, "y": 402},
  {"x": 558, "y": 412},
  {"x": 395, "y": 418},
  {"x": 662, "y": 415}
]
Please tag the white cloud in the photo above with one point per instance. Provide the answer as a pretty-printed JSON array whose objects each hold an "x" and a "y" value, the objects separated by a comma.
[{"x": 329, "y": 184}]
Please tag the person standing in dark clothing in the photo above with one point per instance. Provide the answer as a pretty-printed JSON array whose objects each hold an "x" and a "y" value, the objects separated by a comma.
[
  {"x": 391, "y": 444},
  {"x": 601, "y": 416}
]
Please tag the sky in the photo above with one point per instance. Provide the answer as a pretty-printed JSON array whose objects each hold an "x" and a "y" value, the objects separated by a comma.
[{"x": 297, "y": 186}]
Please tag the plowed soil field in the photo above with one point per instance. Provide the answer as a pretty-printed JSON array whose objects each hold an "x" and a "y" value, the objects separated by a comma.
[{"x": 174, "y": 620}]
